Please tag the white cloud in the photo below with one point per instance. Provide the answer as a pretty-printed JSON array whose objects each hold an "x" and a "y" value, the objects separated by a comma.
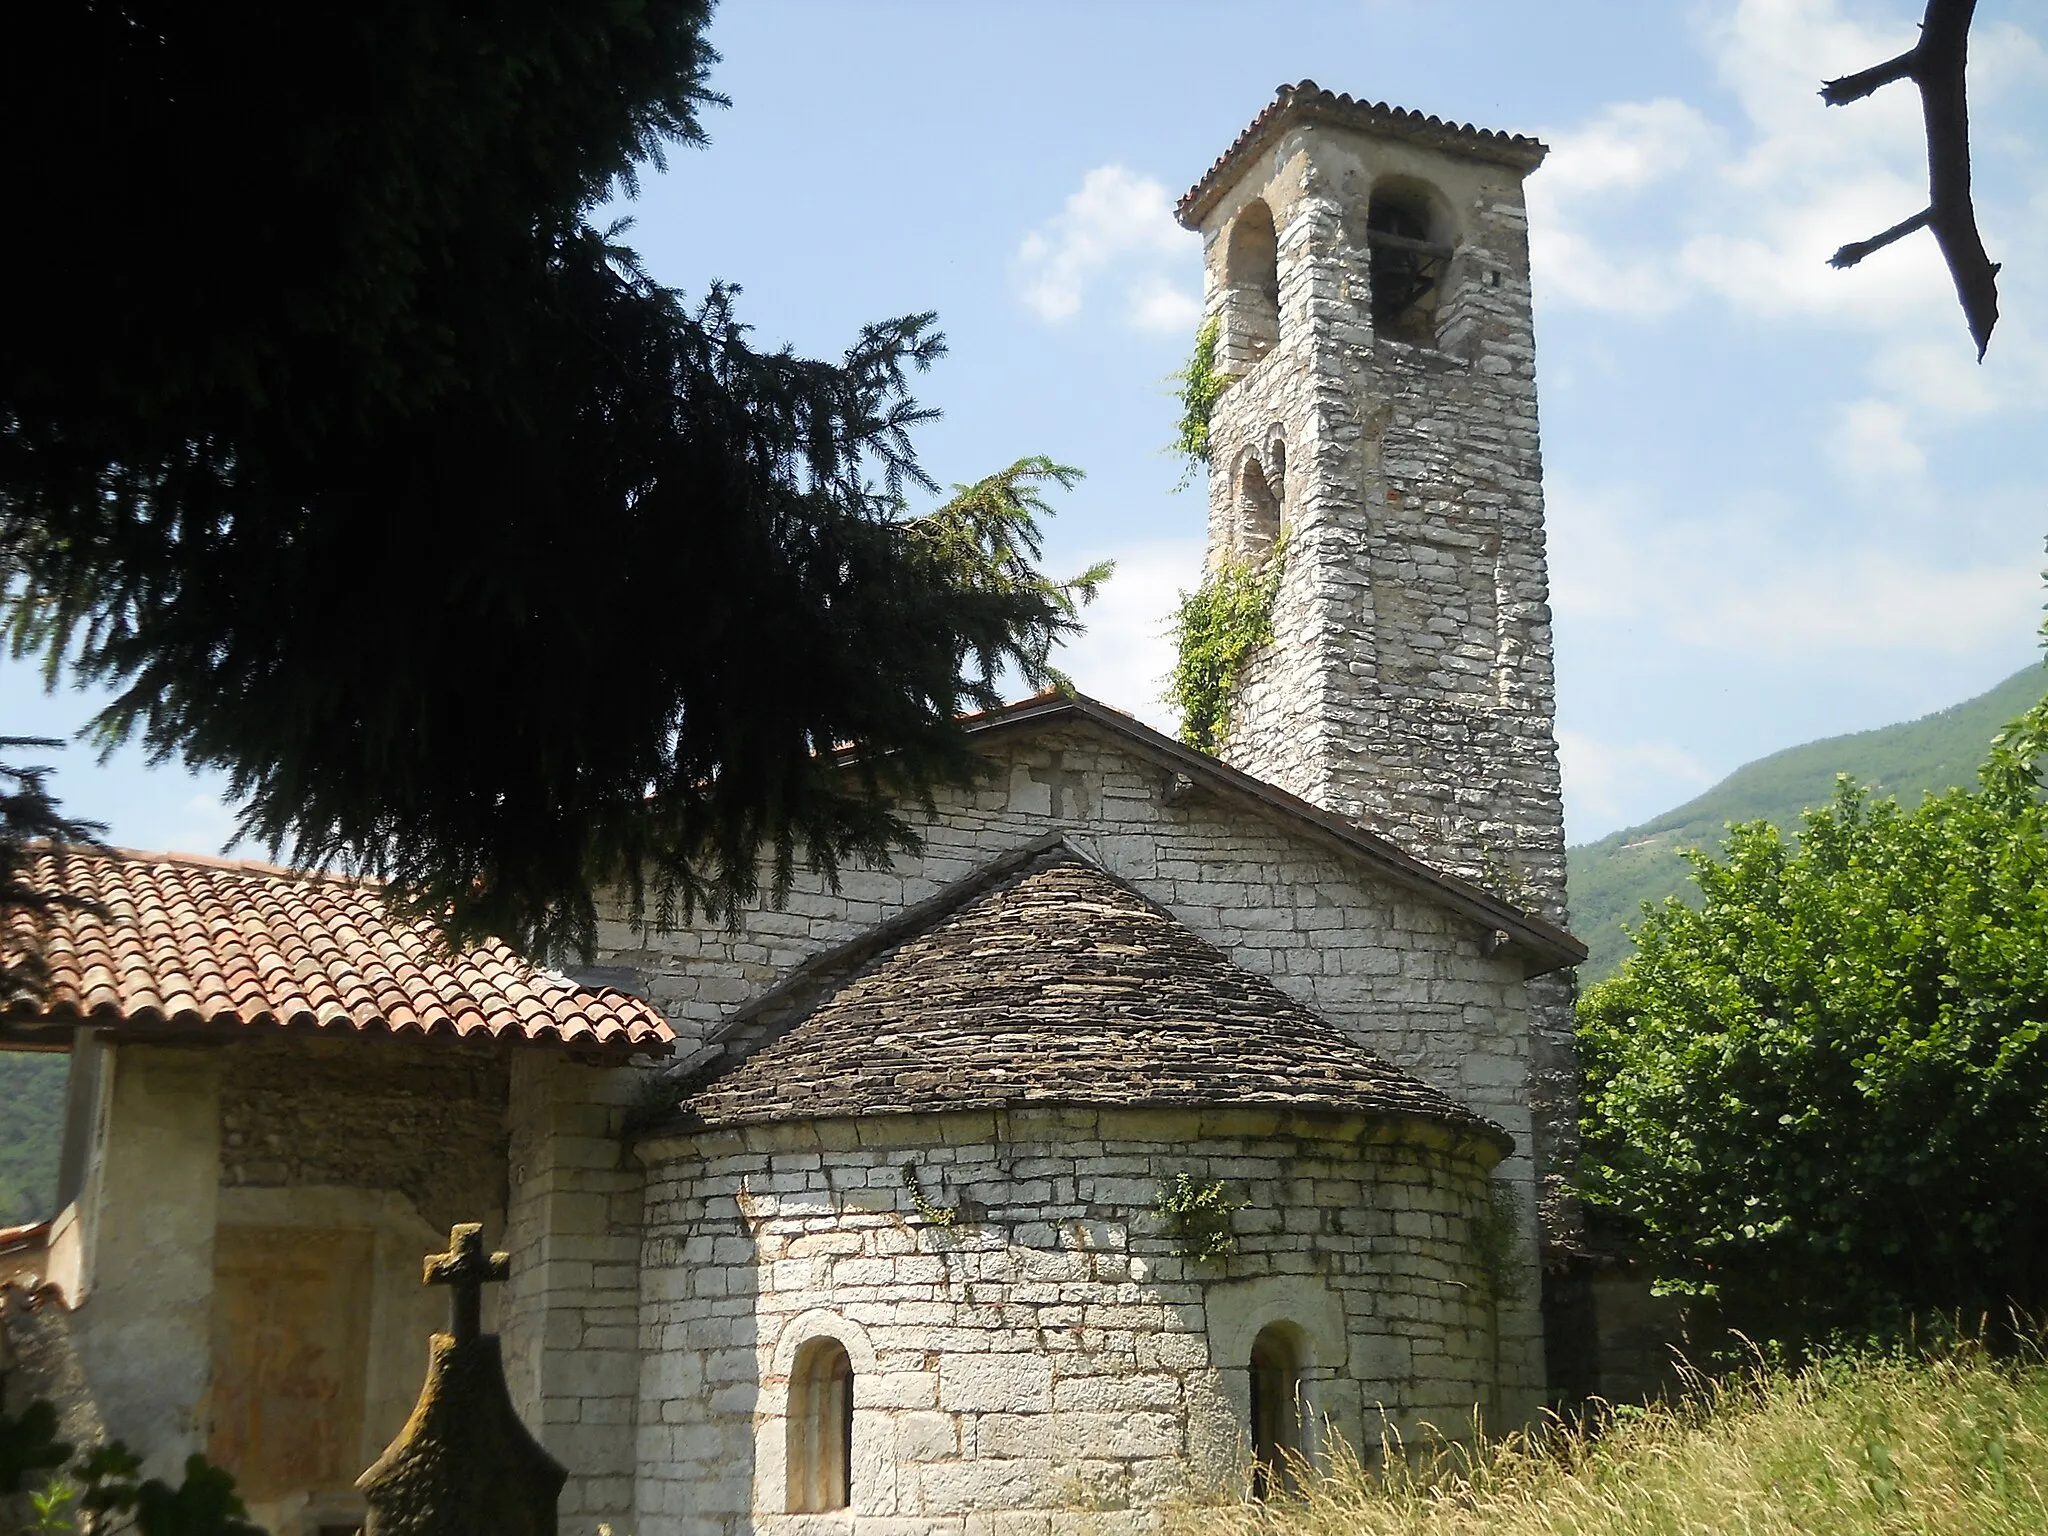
[
  {"x": 1650, "y": 206},
  {"x": 1115, "y": 232},
  {"x": 1741, "y": 584},
  {"x": 1157, "y": 305},
  {"x": 1631, "y": 145},
  {"x": 1127, "y": 652},
  {"x": 1873, "y": 441},
  {"x": 1608, "y": 785}
]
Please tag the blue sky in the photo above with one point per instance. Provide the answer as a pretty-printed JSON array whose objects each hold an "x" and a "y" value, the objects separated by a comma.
[{"x": 1784, "y": 501}]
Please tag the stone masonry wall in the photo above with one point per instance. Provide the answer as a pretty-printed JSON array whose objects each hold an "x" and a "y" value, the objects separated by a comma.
[
  {"x": 1410, "y": 683},
  {"x": 1400, "y": 974},
  {"x": 570, "y": 1314},
  {"x": 424, "y": 1119},
  {"x": 1050, "y": 1350}
]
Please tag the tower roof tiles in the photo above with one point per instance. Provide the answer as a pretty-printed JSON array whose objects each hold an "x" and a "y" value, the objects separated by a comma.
[{"x": 1309, "y": 102}]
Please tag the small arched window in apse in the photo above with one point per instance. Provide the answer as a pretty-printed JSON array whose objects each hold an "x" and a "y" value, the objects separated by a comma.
[
  {"x": 1258, "y": 513},
  {"x": 1410, "y": 257},
  {"x": 1251, "y": 274},
  {"x": 820, "y": 1460},
  {"x": 1276, "y": 1404}
]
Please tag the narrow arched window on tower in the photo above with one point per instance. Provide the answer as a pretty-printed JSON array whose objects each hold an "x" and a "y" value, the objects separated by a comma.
[
  {"x": 820, "y": 1459},
  {"x": 1258, "y": 513},
  {"x": 1276, "y": 1409},
  {"x": 1410, "y": 255},
  {"x": 1251, "y": 276}
]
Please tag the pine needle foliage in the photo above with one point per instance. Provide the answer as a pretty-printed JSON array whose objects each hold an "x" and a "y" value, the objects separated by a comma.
[
  {"x": 29, "y": 822},
  {"x": 480, "y": 561},
  {"x": 1956, "y": 1445},
  {"x": 1217, "y": 626}
]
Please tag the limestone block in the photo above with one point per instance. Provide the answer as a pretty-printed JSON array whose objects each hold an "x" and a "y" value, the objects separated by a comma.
[{"x": 995, "y": 1383}]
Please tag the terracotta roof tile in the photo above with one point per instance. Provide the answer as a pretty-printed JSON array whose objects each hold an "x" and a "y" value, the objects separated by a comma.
[
  {"x": 195, "y": 943},
  {"x": 1051, "y": 983},
  {"x": 1309, "y": 101}
]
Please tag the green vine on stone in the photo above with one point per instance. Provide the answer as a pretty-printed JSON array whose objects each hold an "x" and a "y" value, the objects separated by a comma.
[
  {"x": 1199, "y": 386},
  {"x": 1197, "y": 1215},
  {"x": 937, "y": 1215},
  {"x": 1495, "y": 1236},
  {"x": 1216, "y": 627}
]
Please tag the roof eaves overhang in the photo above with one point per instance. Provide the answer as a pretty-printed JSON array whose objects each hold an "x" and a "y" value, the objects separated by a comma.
[
  {"x": 1308, "y": 102},
  {"x": 54, "y": 1030},
  {"x": 1544, "y": 946}
]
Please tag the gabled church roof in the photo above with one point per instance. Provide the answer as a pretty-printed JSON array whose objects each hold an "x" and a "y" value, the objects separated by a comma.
[
  {"x": 1309, "y": 102},
  {"x": 1044, "y": 981},
  {"x": 1542, "y": 944},
  {"x": 195, "y": 944}
]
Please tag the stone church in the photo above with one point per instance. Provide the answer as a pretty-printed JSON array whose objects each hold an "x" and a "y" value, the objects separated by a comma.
[{"x": 1164, "y": 1118}]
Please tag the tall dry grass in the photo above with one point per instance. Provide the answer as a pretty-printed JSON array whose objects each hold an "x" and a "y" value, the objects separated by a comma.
[{"x": 1953, "y": 1444}]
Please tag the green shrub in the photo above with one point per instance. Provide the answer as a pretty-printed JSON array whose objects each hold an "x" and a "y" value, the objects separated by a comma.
[{"x": 1823, "y": 1096}]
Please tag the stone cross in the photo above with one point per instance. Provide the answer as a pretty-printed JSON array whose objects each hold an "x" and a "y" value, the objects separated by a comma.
[
  {"x": 463, "y": 1465},
  {"x": 465, "y": 1269}
]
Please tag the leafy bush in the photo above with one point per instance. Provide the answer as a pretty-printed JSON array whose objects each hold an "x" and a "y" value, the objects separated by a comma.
[
  {"x": 104, "y": 1491},
  {"x": 1823, "y": 1096}
]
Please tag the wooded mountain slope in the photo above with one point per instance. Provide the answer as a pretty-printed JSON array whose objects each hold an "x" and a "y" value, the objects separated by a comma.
[
  {"x": 1612, "y": 878},
  {"x": 31, "y": 1126}
]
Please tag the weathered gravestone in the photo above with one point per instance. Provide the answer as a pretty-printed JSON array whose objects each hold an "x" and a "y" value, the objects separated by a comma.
[{"x": 463, "y": 1465}]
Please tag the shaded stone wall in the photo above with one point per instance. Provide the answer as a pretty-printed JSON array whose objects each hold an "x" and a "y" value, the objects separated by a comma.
[
  {"x": 342, "y": 1162},
  {"x": 1049, "y": 1350},
  {"x": 570, "y": 1314},
  {"x": 424, "y": 1120}
]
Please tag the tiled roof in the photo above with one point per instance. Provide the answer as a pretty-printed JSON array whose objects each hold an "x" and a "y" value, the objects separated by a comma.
[
  {"x": 190, "y": 943},
  {"x": 1051, "y": 983},
  {"x": 1310, "y": 102}
]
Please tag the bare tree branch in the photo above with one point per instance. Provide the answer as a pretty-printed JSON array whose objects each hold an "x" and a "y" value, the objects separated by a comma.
[
  {"x": 1937, "y": 65},
  {"x": 1856, "y": 250}
]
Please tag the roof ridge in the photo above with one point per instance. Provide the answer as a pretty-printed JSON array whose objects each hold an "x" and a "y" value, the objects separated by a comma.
[
  {"x": 205, "y": 861},
  {"x": 783, "y": 1006}
]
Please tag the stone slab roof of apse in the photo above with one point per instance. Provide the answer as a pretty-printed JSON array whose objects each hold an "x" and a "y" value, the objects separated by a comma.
[{"x": 1049, "y": 982}]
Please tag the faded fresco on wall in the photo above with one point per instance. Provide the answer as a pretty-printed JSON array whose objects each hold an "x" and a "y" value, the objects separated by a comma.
[{"x": 291, "y": 1327}]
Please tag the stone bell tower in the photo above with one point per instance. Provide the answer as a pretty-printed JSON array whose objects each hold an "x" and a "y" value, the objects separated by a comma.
[{"x": 1368, "y": 268}]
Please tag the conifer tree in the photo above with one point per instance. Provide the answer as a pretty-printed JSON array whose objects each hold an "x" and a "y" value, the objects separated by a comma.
[{"x": 337, "y": 438}]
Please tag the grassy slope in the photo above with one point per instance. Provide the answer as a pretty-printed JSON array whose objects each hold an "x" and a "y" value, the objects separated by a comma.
[
  {"x": 1611, "y": 879},
  {"x": 1954, "y": 1447},
  {"x": 31, "y": 1126}
]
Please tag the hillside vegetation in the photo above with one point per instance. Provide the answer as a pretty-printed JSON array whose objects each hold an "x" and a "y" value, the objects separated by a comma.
[
  {"x": 1955, "y": 1446},
  {"x": 1612, "y": 878},
  {"x": 31, "y": 1128}
]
